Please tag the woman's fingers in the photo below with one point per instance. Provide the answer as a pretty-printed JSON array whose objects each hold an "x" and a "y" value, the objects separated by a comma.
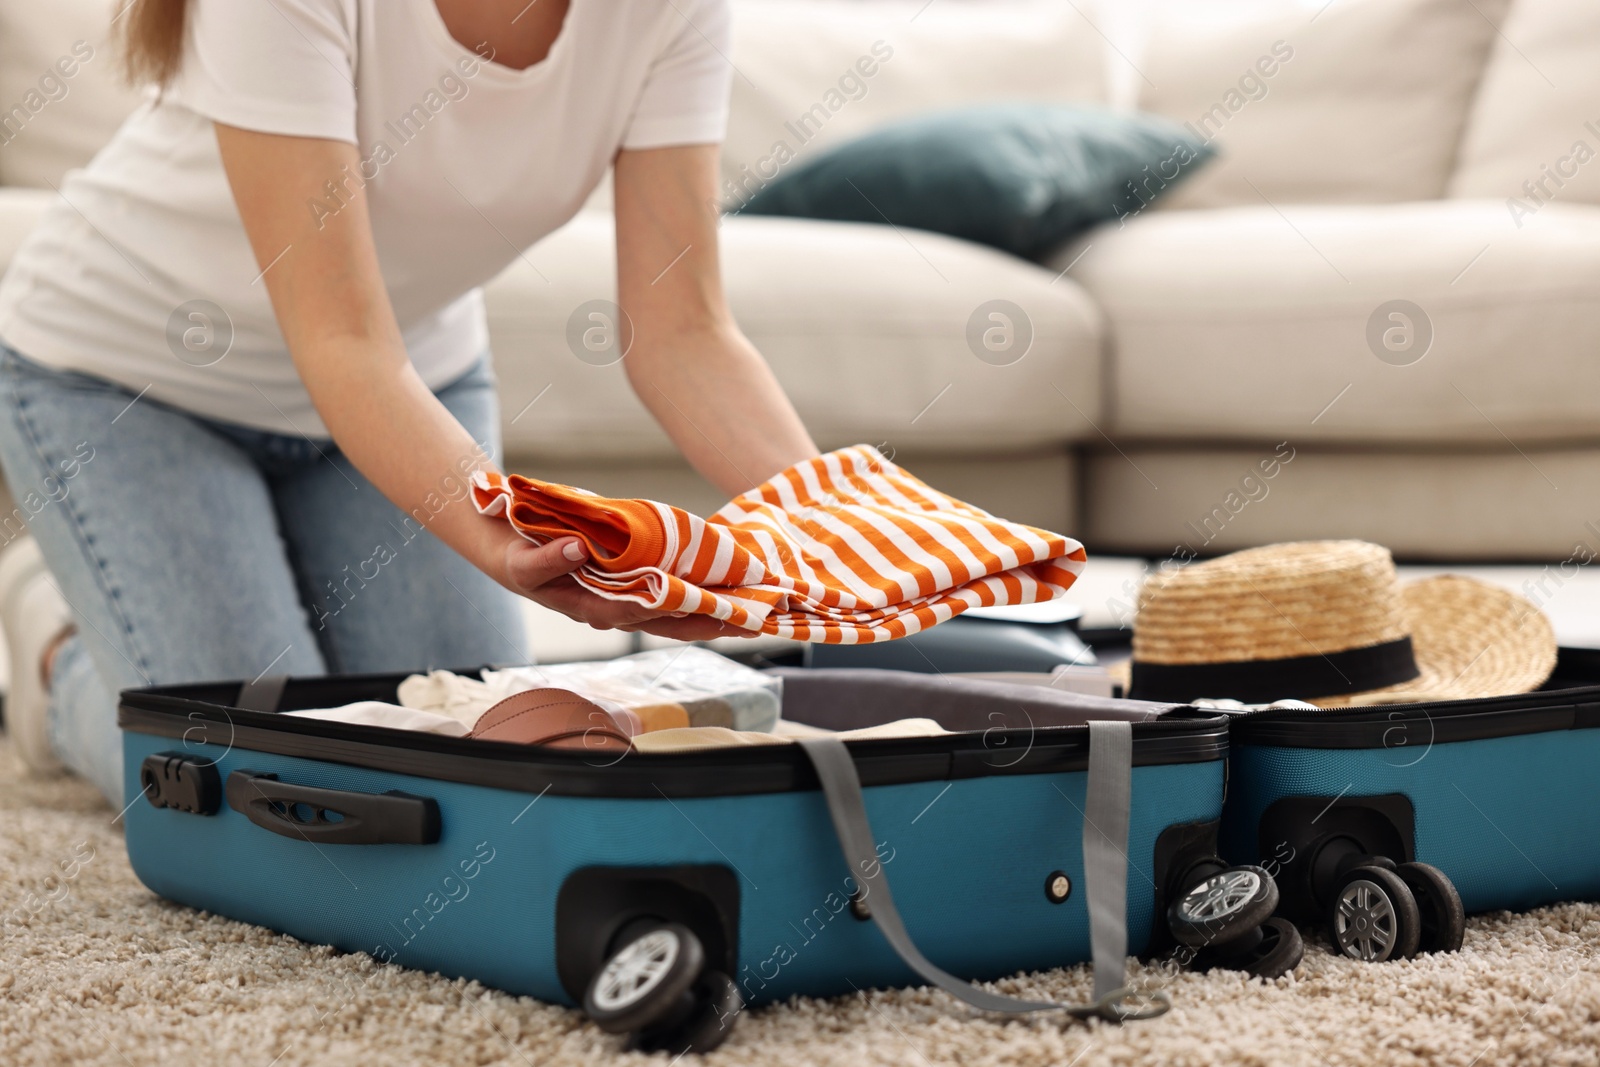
[
  {"x": 530, "y": 566},
  {"x": 561, "y": 593},
  {"x": 572, "y": 600},
  {"x": 695, "y": 628}
]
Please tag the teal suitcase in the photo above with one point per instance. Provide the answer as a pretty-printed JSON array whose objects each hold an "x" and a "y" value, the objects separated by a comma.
[
  {"x": 535, "y": 870},
  {"x": 1390, "y": 823}
]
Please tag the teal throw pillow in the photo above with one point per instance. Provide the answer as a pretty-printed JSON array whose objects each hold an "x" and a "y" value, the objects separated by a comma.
[{"x": 1022, "y": 177}]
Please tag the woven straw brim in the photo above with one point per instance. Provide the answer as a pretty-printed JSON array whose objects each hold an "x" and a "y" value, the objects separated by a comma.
[
  {"x": 1471, "y": 640},
  {"x": 1272, "y": 602}
]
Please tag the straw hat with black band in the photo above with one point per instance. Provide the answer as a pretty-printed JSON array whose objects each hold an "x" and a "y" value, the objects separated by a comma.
[{"x": 1330, "y": 623}]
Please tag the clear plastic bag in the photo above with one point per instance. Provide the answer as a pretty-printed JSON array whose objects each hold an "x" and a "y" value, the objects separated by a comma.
[{"x": 665, "y": 688}]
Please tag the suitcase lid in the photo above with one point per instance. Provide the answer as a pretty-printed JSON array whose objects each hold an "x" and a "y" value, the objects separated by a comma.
[
  {"x": 1011, "y": 741},
  {"x": 1570, "y": 700}
]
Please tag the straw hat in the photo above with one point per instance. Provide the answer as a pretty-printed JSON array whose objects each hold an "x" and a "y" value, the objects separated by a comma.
[{"x": 1329, "y": 622}]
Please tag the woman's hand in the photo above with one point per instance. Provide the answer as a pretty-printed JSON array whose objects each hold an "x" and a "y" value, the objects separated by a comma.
[{"x": 543, "y": 574}]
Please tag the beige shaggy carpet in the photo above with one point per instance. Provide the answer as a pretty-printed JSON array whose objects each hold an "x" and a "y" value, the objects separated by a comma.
[{"x": 96, "y": 970}]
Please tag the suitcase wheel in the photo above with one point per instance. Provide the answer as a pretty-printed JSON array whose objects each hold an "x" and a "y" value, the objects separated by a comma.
[
  {"x": 657, "y": 988},
  {"x": 1272, "y": 951},
  {"x": 717, "y": 1005},
  {"x": 1374, "y": 916},
  {"x": 1444, "y": 921},
  {"x": 1224, "y": 911}
]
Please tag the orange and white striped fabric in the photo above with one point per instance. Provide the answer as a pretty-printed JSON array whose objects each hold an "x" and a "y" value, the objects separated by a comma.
[{"x": 846, "y": 548}]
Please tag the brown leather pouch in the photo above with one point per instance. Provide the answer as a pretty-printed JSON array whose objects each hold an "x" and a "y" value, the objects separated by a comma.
[{"x": 553, "y": 717}]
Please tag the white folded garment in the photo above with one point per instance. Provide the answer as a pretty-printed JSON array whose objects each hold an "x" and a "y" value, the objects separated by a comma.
[
  {"x": 462, "y": 698},
  {"x": 681, "y": 739},
  {"x": 698, "y": 737},
  {"x": 395, "y": 717}
]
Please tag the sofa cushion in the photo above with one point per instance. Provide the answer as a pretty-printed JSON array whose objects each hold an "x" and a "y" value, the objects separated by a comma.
[
  {"x": 1482, "y": 504},
  {"x": 1536, "y": 119},
  {"x": 60, "y": 87},
  {"x": 872, "y": 331},
  {"x": 1267, "y": 323},
  {"x": 809, "y": 73},
  {"x": 1361, "y": 101},
  {"x": 1021, "y": 177}
]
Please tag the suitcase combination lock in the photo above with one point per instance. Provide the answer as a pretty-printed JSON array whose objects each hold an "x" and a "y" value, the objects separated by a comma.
[{"x": 181, "y": 782}]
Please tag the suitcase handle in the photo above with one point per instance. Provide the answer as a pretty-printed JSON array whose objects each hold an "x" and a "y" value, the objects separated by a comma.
[{"x": 333, "y": 816}]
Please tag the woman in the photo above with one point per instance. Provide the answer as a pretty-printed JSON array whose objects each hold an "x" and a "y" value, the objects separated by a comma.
[{"x": 243, "y": 357}]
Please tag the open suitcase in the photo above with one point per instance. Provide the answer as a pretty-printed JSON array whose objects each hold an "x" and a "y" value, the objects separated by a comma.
[
  {"x": 537, "y": 870},
  {"x": 1388, "y": 823}
]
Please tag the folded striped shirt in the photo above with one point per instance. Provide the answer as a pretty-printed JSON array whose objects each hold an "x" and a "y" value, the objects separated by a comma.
[{"x": 845, "y": 548}]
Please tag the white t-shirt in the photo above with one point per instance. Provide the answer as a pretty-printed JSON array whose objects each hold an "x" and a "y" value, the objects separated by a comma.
[{"x": 465, "y": 162}]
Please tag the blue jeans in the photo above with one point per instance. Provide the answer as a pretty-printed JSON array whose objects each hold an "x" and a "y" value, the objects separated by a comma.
[{"x": 192, "y": 550}]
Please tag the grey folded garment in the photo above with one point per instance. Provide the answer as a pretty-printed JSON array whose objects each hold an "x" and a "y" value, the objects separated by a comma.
[{"x": 851, "y": 699}]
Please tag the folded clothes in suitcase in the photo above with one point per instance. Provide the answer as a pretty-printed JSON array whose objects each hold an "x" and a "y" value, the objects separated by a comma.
[
  {"x": 1500, "y": 796},
  {"x": 705, "y": 877}
]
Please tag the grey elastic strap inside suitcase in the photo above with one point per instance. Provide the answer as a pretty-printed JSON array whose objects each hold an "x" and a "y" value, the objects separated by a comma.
[
  {"x": 263, "y": 694},
  {"x": 1105, "y": 863}
]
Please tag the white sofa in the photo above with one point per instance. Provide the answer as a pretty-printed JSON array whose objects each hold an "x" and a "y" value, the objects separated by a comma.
[{"x": 1368, "y": 151}]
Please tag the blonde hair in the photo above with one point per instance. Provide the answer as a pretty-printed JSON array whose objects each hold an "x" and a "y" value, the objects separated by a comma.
[{"x": 152, "y": 39}]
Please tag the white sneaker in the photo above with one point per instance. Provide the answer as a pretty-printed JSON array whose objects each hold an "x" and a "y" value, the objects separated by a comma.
[{"x": 33, "y": 615}]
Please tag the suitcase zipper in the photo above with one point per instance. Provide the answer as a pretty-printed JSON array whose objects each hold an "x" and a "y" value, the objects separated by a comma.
[{"x": 1542, "y": 711}]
